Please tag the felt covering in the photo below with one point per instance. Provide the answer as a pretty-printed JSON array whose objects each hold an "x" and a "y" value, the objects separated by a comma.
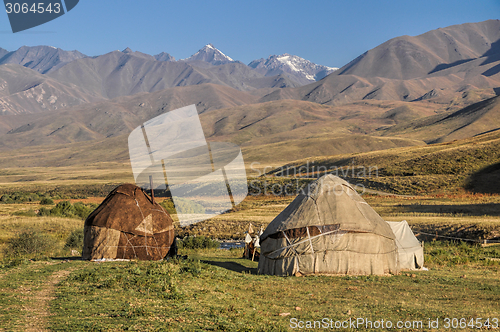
[
  {"x": 328, "y": 229},
  {"x": 410, "y": 251},
  {"x": 128, "y": 225}
]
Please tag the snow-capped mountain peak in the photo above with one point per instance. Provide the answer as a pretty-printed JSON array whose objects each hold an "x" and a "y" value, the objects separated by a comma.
[
  {"x": 301, "y": 68},
  {"x": 211, "y": 55}
]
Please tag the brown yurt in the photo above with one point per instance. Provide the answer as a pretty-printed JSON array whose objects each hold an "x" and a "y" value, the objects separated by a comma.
[{"x": 128, "y": 225}]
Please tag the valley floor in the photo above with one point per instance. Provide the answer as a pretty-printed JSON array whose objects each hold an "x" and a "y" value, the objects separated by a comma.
[{"x": 217, "y": 290}]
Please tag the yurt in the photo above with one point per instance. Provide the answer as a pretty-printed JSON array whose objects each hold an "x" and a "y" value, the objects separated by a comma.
[
  {"x": 328, "y": 229},
  {"x": 410, "y": 250},
  {"x": 128, "y": 225}
]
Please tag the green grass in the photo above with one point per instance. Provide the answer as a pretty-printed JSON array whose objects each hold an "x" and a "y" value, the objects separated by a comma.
[
  {"x": 197, "y": 242},
  {"x": 215, "y": 290},
  {"x": 452, "y": 254}
]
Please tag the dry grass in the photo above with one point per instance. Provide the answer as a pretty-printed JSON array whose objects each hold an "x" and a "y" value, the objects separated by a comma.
[
  {"x": 46, "y": 178},
  {"x": 10, "y": 225},
  {"x": 437, "y": 168}
]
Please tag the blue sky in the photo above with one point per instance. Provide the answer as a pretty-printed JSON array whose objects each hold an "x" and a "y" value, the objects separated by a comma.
[{"x": 328, "y": 32}]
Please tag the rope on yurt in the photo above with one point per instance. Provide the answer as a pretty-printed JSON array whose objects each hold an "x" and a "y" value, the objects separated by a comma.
[
  {"x": 290, "y": 244},
  {"x": 145, "y": 226},
  {"x": 154, "y": 238},
  {"x": 310, "y": 241},
  {"x": 300, "y": 242}
]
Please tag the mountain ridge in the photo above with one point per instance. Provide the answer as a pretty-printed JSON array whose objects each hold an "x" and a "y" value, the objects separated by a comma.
[
  {"x": 270, "y": 116},
  {"x": 410, "y": 57},
  {"x": 46, "y": 59},
  {"x": 118, "y": 74},
  {"x": 42, "y": 59},
  {"x": 23, "y": 90},
  {"x": 304, "y": 70},
  {"x": 387, "y": 72},
  {"x": 476, "y": 119}
]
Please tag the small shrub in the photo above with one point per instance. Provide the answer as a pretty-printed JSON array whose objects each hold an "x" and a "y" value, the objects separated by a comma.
[
  {"x": 5, "y": 199},
  {"x": 19, "y": 197},
  {"x": 168, "y": 205},
  {"x": 75, "y": 240},
  {"x": 29, "y": 243},
  {"x": 68, "y": 210},
  {"x": 46, "y": 201},
  {"x": 44, "y": 212},
  {"x": 83, "y": 210},
  {"x": 182, "y": 205},
  {"x": 197, "y": 242},
  {"x": 63, "y": 209}
]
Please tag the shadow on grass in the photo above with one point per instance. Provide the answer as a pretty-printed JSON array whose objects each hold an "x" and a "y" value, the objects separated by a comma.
[
  {"x": 490, "y": 209},
  {"x": 232, "y": 266},
  {"x": 486, "y": 180},
  {"x": 70, "y": 258}
]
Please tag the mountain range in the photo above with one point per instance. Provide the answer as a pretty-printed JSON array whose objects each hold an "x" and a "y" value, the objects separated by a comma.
[
  {"x": 42, "y": 59},
  {"x": 456, "y": 66},
  {"x": 447, "y": 66},
  {"x": 435, "y": 87},
  {"x": 76, "y": 79},
  {"x": 48, "y": 60}
]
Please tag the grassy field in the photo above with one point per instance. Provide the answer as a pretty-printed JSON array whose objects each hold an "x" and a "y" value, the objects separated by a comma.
[{"x": 216, "y": 290}]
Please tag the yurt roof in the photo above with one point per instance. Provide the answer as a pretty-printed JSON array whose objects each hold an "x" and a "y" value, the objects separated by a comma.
[{"x": 329, "y": 203}]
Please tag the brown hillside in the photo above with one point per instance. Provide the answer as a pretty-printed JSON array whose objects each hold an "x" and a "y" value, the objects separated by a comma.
[
  {"x": 272, "y": 132},
  {"x": 470, "y": 121},
  {"x": 25, "y": 91},
  {"x": 408, "y": 57},
  {"x": 461, "y": 164},
  {"x": 115, "y": 117},
  {"x": 441, "y": 66}
]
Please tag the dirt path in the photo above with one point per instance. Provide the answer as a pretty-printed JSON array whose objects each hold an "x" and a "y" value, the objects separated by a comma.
[{"x": 37, "y": 312}]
